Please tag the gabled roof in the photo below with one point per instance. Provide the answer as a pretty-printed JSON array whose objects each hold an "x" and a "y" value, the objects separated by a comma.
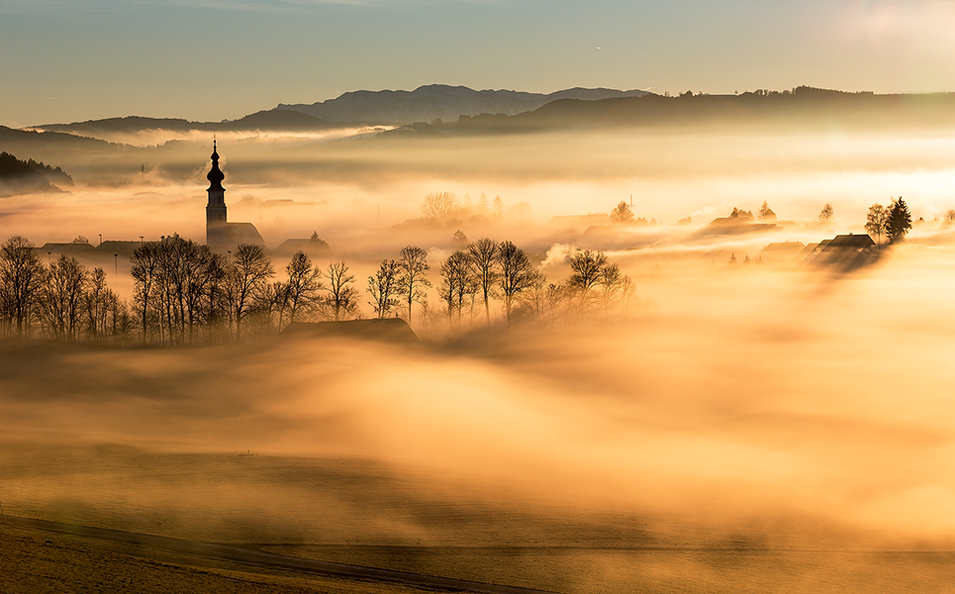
[{"x": 851, "y": 241}]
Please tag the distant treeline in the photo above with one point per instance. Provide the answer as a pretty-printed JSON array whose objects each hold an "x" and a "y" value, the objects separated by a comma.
[
  {"x": 185, "y": 294},
  {"x": 29, "y": 176},
  {"x": 800, "y": 108}
]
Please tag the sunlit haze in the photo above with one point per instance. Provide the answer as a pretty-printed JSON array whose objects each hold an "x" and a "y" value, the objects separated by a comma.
[{"x": 668, "y": 342}]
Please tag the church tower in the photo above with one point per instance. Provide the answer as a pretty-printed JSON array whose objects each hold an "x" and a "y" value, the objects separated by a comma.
[{"x": 216, "y": 218}]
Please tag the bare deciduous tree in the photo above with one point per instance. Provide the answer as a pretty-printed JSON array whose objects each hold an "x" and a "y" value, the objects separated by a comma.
[
  {"x": 586, "y": 266},
  {"x": 413, "y": 280},
  {"x": 246, "y": 282},
  {"x": 21, "y": 279},
  {"x": 98, "y": 303},
  {"x": 342, "y": 296},
  {"x": 457, "y": 283},
  {"x": 62, "y": 297},
  {"x": 517, "y": 274},
  {"x": 301, "y": 293},
  {"x": 145, "y": 272},
  {"x": 440, "y": 206},
  {"x": 877, "y": 222},
  {"x": 383, "y": 287},
  {"x": 484, "y": 257}
]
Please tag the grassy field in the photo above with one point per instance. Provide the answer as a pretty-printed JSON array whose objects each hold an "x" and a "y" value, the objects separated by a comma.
[{"x": 34, "y": 561}]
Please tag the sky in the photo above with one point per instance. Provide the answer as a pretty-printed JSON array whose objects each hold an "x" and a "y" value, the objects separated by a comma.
[{"x": 207, "y": 60}]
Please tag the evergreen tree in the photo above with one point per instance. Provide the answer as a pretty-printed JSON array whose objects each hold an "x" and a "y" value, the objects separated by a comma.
[
  {"x": 900, "y": 220},
  {"x": 621, "y": 213}
]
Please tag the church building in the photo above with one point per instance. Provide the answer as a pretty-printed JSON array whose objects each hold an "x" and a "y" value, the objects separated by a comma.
[{"x": 221, "y": 235}]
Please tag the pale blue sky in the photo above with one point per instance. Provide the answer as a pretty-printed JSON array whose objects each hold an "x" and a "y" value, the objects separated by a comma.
[{"x": 70, "y": 60}]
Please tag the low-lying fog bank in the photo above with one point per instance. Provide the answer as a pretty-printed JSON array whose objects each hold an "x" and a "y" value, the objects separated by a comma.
[
  {"x": 754, "y": 407},
  {"x": 751, "y": 406}
]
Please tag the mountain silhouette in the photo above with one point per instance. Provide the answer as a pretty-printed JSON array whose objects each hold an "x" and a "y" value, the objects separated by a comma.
[
  {"x": 282, "y": 121},
  {"x": 803, "y": 108},
  {"x": 431, "y": 102}
]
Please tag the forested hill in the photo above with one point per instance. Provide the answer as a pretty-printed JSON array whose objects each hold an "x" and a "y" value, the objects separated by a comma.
[
  {"x": 445, "y": 102},
  {"x": 23, "y": 177},
  {"x": 801, "y": 109},
  {"x": 262, "y": 120}
]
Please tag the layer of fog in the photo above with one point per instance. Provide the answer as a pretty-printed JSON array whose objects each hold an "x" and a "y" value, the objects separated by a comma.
[
  {"x": 774, "y": 407},
  {"x": 756, "y": 405},
  {"x": 339, "y": 188}
]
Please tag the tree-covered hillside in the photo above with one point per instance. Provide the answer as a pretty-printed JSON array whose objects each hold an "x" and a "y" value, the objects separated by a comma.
[{"x": 24, "y": 177}]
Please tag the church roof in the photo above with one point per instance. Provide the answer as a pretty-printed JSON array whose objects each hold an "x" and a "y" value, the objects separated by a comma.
[{"x": 239, "y": 233}]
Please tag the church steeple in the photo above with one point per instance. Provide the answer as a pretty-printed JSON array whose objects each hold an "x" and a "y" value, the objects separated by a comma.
[
  {"x": 215, "y": 175},
  {"x": 216, "y": 215}
]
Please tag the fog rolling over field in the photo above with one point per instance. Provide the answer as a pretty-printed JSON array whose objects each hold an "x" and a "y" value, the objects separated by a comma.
[
  {"x": 778, "y": 411},
  {"x": 749, "y": 427}
]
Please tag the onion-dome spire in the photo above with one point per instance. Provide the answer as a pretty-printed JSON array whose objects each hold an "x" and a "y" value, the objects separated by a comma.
[{"x": 215, "y": 175}]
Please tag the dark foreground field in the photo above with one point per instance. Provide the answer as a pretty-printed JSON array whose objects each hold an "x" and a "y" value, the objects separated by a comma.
[
  {"x": 38, "y": 560},
  {"x": 35, "y": 560}
]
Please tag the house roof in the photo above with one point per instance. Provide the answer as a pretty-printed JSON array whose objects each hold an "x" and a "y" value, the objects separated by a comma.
[{"x": 851, "y": 240}]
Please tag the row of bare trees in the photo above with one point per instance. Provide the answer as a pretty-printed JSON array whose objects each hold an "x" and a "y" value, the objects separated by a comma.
[
  {"x": 183, "y": 293},
  {"x": 64, "y": 300},
  {"x": 487, "y": 270}
]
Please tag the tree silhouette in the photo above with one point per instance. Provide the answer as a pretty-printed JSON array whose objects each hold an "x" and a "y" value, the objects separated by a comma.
[
  {"x": 498, "y": 207},
  {"x": 517, "y": 274},
  {"x": 457, "y": 282},
  {"x": 484, "y": 204},
  {"x": 484, "y": 257},
  {"x": 766, "y": 213},
  {"x": 342, "y": 296},
  {"x": 608, "y": 279},
  {"x": 300, "y": 293},
  {"x": 383, "y": 287},
  {"x": 621, "y": 213},
  {"x": 246, "y": 282},
  {"x": 459, "y": 240},
  {"x": 21, "y": 280},
  {"x": 99, "y": 303},
  {"x": 145, "y": 272},
  {"x": 877, "y": 222},
  {"x": 900, "y": 220},
  {"x": 413, "y": 280},
  {"x": 586, "y": 267},
  {"x": 440, "y": 206},
  {"x": 62, "y": 297},
  {"x": 827, "y": 213}
]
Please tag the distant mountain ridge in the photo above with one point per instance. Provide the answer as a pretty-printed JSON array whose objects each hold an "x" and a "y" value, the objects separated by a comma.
[
  {"x": 445, "y": 102},
  {"x": 286, "y": 121}
]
